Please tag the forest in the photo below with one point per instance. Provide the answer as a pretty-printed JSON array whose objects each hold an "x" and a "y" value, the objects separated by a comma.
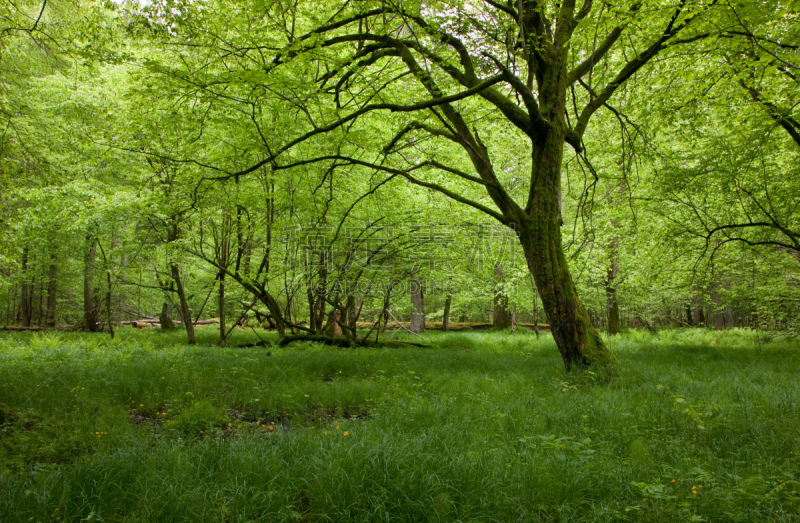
[{"x": 489, "y": 260}]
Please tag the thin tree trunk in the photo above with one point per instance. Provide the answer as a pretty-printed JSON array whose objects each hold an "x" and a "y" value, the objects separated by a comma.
[
  {"x": 699, "y": 317},
  {"x": 446, "y": 319},
  {"x": 728, "y": 310},
  {"x": 108, "y": 291},
  {"x": 186, "y": 314},
  {"x": 418, "y": 302},
  {"x": 384, "y": 313},
  {"x": 221, "y": 306},
  {"x": 223, "y": 249},
  {"x": 350, "y": 308},
  {"x": 52, "y": 287},
  {"x": 719, "y": 319},
  {"x": 41, "y": 310},
  {"x": 501, "y": 319},
  {"x": 612, "y": 305},
  {"x": 350, "y": 315},
  {"x": 89, "y": 308},
  {"x": 514, "y": 319},
  {"x": 312, "y": 314},
  {"x": 535, "y": 309},
  {"x": 25, "y": 305}
]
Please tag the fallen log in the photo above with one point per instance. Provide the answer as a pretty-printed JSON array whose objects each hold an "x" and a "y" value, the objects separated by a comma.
[
  {"x": 156, "y": 323},
  {"x": 36, "y": 328},
  {"x": 144, "y": 325},
  {"x": 346, "y": 342},
  {"x": 437, "y": 325}
]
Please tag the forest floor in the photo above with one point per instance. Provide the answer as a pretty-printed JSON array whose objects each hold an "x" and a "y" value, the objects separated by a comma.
[{"x": 483, "y": 426}]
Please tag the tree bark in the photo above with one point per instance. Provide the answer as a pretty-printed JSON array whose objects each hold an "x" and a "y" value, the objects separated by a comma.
[
  {"x": 417, "y": 301},
  {"x": 446, "y": 318},
  {"x": 186, "y": 314}
]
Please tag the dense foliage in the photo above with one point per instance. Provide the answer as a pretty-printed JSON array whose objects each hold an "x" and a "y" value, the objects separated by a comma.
[{"x": 266, "y": 162}]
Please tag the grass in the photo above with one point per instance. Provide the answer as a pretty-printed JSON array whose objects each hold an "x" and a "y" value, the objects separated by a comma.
[{"x": 694, "y": 426}]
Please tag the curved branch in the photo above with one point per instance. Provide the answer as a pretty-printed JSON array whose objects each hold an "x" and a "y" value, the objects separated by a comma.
[
  {"x": 406, "y": 173},
  {"x": 364, "y": 110}
]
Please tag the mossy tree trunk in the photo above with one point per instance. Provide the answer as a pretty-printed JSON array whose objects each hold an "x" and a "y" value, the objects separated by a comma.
[
  {"x": 539, "y": 231},
  {"x": 578, "y": 341}
]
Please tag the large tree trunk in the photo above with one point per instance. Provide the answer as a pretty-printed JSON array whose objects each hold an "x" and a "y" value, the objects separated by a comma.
[
  {"x": 186, "y": 314},
  {"x": 52, "y": 287},
  {"x": 446, "y": 318},
  {"x": 501, "y": 319},
  {"x": 578, "y": 341},
  {"x": 26, "y": 309},
  {"x": 417, "y": 301},
  {"x": 89, "y": 306}
]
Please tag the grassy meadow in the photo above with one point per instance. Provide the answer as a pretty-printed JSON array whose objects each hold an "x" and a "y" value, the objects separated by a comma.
[{"x": 482, "y": 426}]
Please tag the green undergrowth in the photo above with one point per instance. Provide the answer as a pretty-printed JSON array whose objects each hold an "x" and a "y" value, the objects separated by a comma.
[{"x": 693, "y": 425}]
